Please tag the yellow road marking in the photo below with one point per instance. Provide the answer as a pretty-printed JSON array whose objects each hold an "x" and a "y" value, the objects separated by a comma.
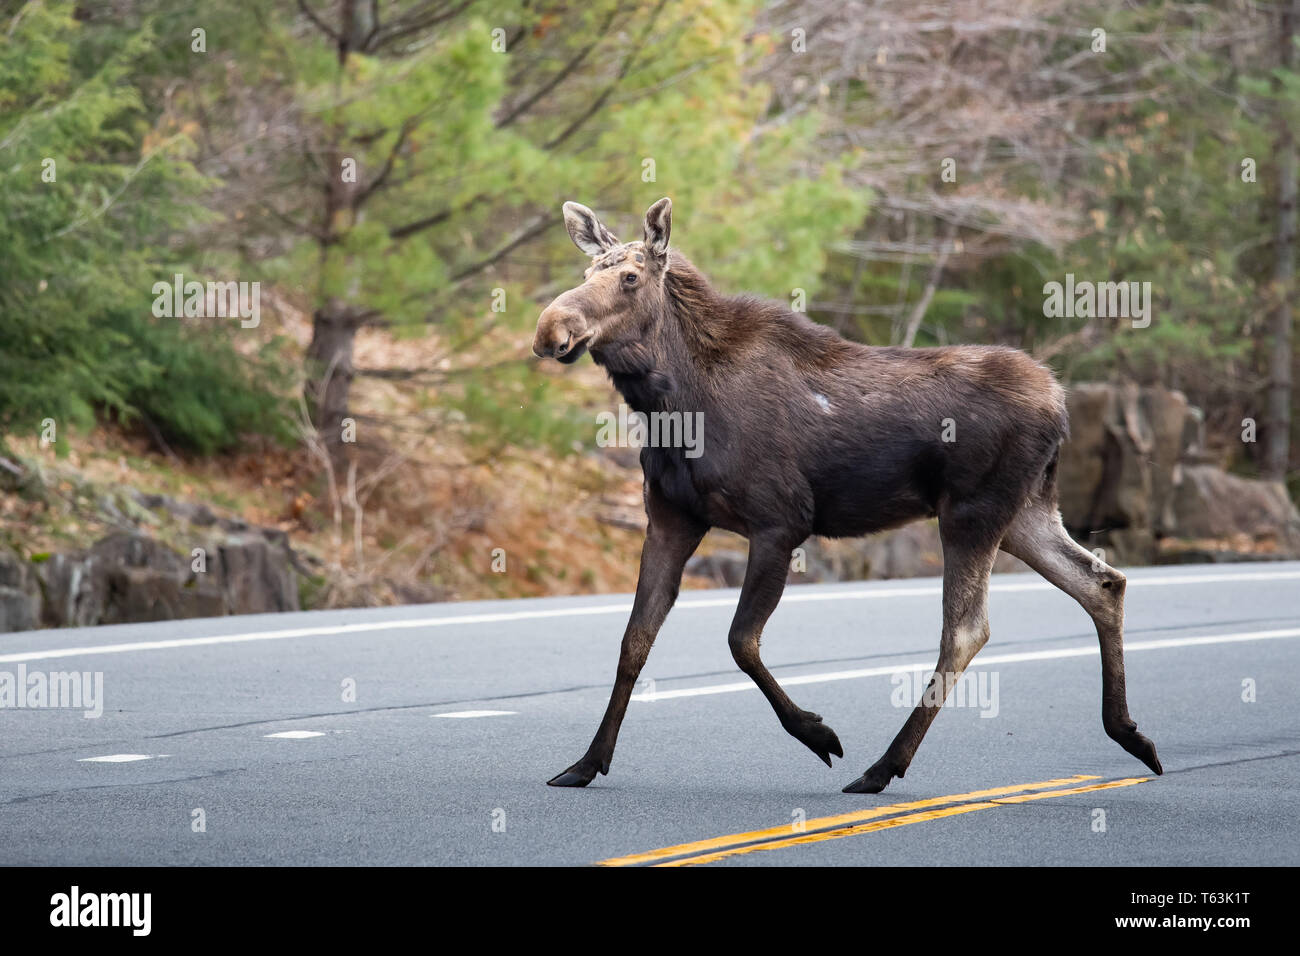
[
  {"x": 898, "y": 822},
  {"x": 822, "y": 823}
]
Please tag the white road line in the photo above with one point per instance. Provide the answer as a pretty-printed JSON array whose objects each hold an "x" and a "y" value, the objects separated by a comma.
[
  {"x": 1090, "y": 650},
  {"x": 294, "y": 735},
  {"x": 477, "y": 713},
  {"x": 118, "y": 758},
  {"x": 791, "y": 597}
]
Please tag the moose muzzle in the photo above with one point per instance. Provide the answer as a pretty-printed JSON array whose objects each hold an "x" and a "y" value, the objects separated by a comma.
[{"x": 562, "y": 333}]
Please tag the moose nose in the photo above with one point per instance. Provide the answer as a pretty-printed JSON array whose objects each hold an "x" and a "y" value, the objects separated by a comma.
[
  {"x": 543, "y": 347},
  {"x": 550, "y": 348},
  {"x": 556, "y": 332}
]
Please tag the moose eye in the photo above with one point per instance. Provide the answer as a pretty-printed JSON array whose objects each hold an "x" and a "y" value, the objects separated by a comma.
[{"x": 629, "y": 278}]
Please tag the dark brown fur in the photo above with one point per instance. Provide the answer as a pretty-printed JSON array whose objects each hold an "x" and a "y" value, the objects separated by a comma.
[{"x": 807, "y": 433}]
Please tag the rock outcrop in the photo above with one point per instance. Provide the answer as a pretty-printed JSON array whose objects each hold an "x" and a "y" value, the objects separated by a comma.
[
  {"x": 1211, "y": 515},
  {"x": 128, "y": 576},
  {"x": 1117, "y": 469},
  {"x": 1135, "y": 481},
  {"x": 20, "y": 595}
]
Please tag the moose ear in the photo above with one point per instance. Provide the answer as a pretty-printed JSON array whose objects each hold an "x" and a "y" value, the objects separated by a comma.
[
  {"x": 658, "y": 223},
  {"x": 589, "y": 233}
]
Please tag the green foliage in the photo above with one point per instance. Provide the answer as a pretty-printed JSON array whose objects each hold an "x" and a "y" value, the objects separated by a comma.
[
  {"x": 516, "y": 408},
  {"x": 444, "y": 126},
  {"x": 89, "y": 193},
  {"x": 193, "y": 386}
]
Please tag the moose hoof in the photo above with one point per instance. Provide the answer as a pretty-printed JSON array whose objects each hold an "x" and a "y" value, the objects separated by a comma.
[
  {"x": 817, "y": 737},
  {"x": 579, "y": 775},
  {"x": 873, "y": 781},
  {"x": 1124, "y": 732},
  {"x": 1142, "y": 748}
]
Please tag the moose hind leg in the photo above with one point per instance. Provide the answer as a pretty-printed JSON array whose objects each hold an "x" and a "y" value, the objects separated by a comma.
[
  {"x": 1038, "y": 538},
  {"x": 764, "y": 583}
]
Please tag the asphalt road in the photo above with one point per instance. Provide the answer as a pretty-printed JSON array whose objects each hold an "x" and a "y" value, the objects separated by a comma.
[{"x": 1022, "y": 774}]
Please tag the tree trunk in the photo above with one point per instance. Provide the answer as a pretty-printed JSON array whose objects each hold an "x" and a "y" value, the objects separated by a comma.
[
  {"x": 334, "y": 324},
  {"x": 329, "y": 369},
  {"x": 1277, "y": 451}
]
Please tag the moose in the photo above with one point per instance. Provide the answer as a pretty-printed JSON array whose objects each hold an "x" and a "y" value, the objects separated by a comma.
[{"x": 809, "y": 433}]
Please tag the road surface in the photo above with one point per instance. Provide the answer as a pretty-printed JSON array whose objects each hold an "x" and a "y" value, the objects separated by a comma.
[{"x": 425, "y": 734}]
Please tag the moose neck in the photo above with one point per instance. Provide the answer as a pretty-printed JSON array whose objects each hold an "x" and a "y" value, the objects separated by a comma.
[{"x": 689, "y": 333}]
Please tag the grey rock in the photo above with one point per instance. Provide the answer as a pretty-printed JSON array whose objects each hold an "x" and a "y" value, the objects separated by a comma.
[
  {"x": 20, "y": 594},
  {"x": 1133, "y": 480},
  {"x": 20, "y": 610},
  {"x": 72, "y": 595},
  {"x": 127, "y": 577},
  {"x": 1209, "y": 503},
  {"x": 253, "y": 575},
  {"x": 147, "y": 594},
  {"x": 726, "y": 568}
]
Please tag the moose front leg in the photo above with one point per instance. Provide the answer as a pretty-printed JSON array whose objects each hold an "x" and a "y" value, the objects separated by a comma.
[
  {"x": 967, "y": 564},
  {"x": 671, "y": 539},
  {"x": 769, "y": 562}
]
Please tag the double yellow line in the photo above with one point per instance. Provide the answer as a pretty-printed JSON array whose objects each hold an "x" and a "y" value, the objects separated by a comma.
[{"x": 863, "y": 821}]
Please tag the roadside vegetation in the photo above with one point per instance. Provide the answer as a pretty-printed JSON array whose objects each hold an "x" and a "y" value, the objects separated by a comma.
[{"x": 389, "y": 176}]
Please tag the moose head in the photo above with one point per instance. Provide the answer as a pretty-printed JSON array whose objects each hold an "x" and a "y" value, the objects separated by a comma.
[{"x": 622, "y": 291}]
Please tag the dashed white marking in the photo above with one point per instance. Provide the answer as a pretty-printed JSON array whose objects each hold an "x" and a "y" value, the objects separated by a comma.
[
  {"x": 294, "y": 735},
  {"x": 119, "y": 758},
  {"x": 623, "y": 607},
  {"x": 1056, "y": 654},
  {"x": 476, "y": 713}
]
